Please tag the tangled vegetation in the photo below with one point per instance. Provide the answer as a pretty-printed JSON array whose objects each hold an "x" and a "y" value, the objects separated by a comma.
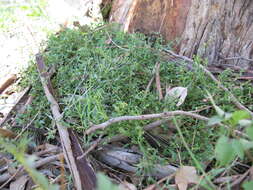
[{"x": 103, "y": 73}]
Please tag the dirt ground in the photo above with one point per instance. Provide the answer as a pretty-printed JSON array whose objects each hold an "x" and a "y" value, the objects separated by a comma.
[{"x": 23, "y": 29}]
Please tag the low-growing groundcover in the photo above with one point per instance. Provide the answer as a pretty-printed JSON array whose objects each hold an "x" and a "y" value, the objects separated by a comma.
[{"x": 104, "y": 73}]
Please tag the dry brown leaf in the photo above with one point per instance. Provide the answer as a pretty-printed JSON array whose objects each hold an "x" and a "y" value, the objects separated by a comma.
[
  {"x": 179, "y": 93},
  {"x": 186, "y": 175},
  {"x": 9, "y": 80},
  {"x": 7, "y": 133},
  {"x": 20, "y": 183}
]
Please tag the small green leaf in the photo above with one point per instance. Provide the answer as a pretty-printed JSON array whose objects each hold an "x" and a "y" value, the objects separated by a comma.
[
  {"x": 214, "y": 120},
  {"x": 239, "y": 115},
  {"x": 246, "y": 144},
  {"x": 249, "y": 132},
  {"x": 248, "y": 185},
  {"x": 238, "y": 148},
  {"x": 104, "y": 183},
  {"x": 224, "y": 151}
]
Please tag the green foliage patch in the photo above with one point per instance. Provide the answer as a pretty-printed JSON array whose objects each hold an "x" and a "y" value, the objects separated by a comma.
[{"x": 103, "y": 73}]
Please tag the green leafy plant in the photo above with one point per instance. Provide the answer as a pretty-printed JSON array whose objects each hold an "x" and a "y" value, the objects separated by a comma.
[{"x": 232, "y": 145}]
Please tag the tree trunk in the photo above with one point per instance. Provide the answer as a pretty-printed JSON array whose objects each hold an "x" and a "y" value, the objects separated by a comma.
[{"x": 213, "y": 29}]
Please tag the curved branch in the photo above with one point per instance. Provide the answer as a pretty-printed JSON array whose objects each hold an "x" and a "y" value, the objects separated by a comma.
[{"x": 144, "y": 117}]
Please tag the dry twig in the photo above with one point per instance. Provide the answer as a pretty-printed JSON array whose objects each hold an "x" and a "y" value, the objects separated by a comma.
[
  {"x": 144, "y": 117},
  {"x": 92, "y": 147},
  {"x": 158, "y": 81},
  {"x": 149, "y": 84}
]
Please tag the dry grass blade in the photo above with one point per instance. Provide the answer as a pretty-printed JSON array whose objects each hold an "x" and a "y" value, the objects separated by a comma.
[{"x": 158, "y": 81}]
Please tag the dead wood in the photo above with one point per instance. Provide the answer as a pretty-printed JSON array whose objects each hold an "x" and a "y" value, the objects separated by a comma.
[
  {"x": 144, "y": 117},
  {"x": 126, "y": 160},
  {"x": 82, "y": 173}
]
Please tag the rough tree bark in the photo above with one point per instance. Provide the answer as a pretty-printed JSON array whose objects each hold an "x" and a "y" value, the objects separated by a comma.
[{"x": 213, "y": 29}]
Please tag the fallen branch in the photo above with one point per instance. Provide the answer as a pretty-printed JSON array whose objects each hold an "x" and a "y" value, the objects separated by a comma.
[
  {"x": 144, "y": 117},
  {"x": 83, "y": 175},
  {"x": 126, "y": 160},
  {"x": 233, "y": 98}
]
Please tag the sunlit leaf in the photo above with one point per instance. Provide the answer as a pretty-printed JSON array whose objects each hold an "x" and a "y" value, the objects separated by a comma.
[{"x": 239, "y": 115}]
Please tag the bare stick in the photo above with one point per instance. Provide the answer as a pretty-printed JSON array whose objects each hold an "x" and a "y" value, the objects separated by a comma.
[
  {"x": 144, "y": 117},
  {"x": 92, "y": 147},
  {"x": 233, "y": 98},
  {"x": 115, "y": 43},
  {"x": 28, "y": 125},
  {"x": 149, "y": 84},
  {"x": 158, "y": 81}
]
